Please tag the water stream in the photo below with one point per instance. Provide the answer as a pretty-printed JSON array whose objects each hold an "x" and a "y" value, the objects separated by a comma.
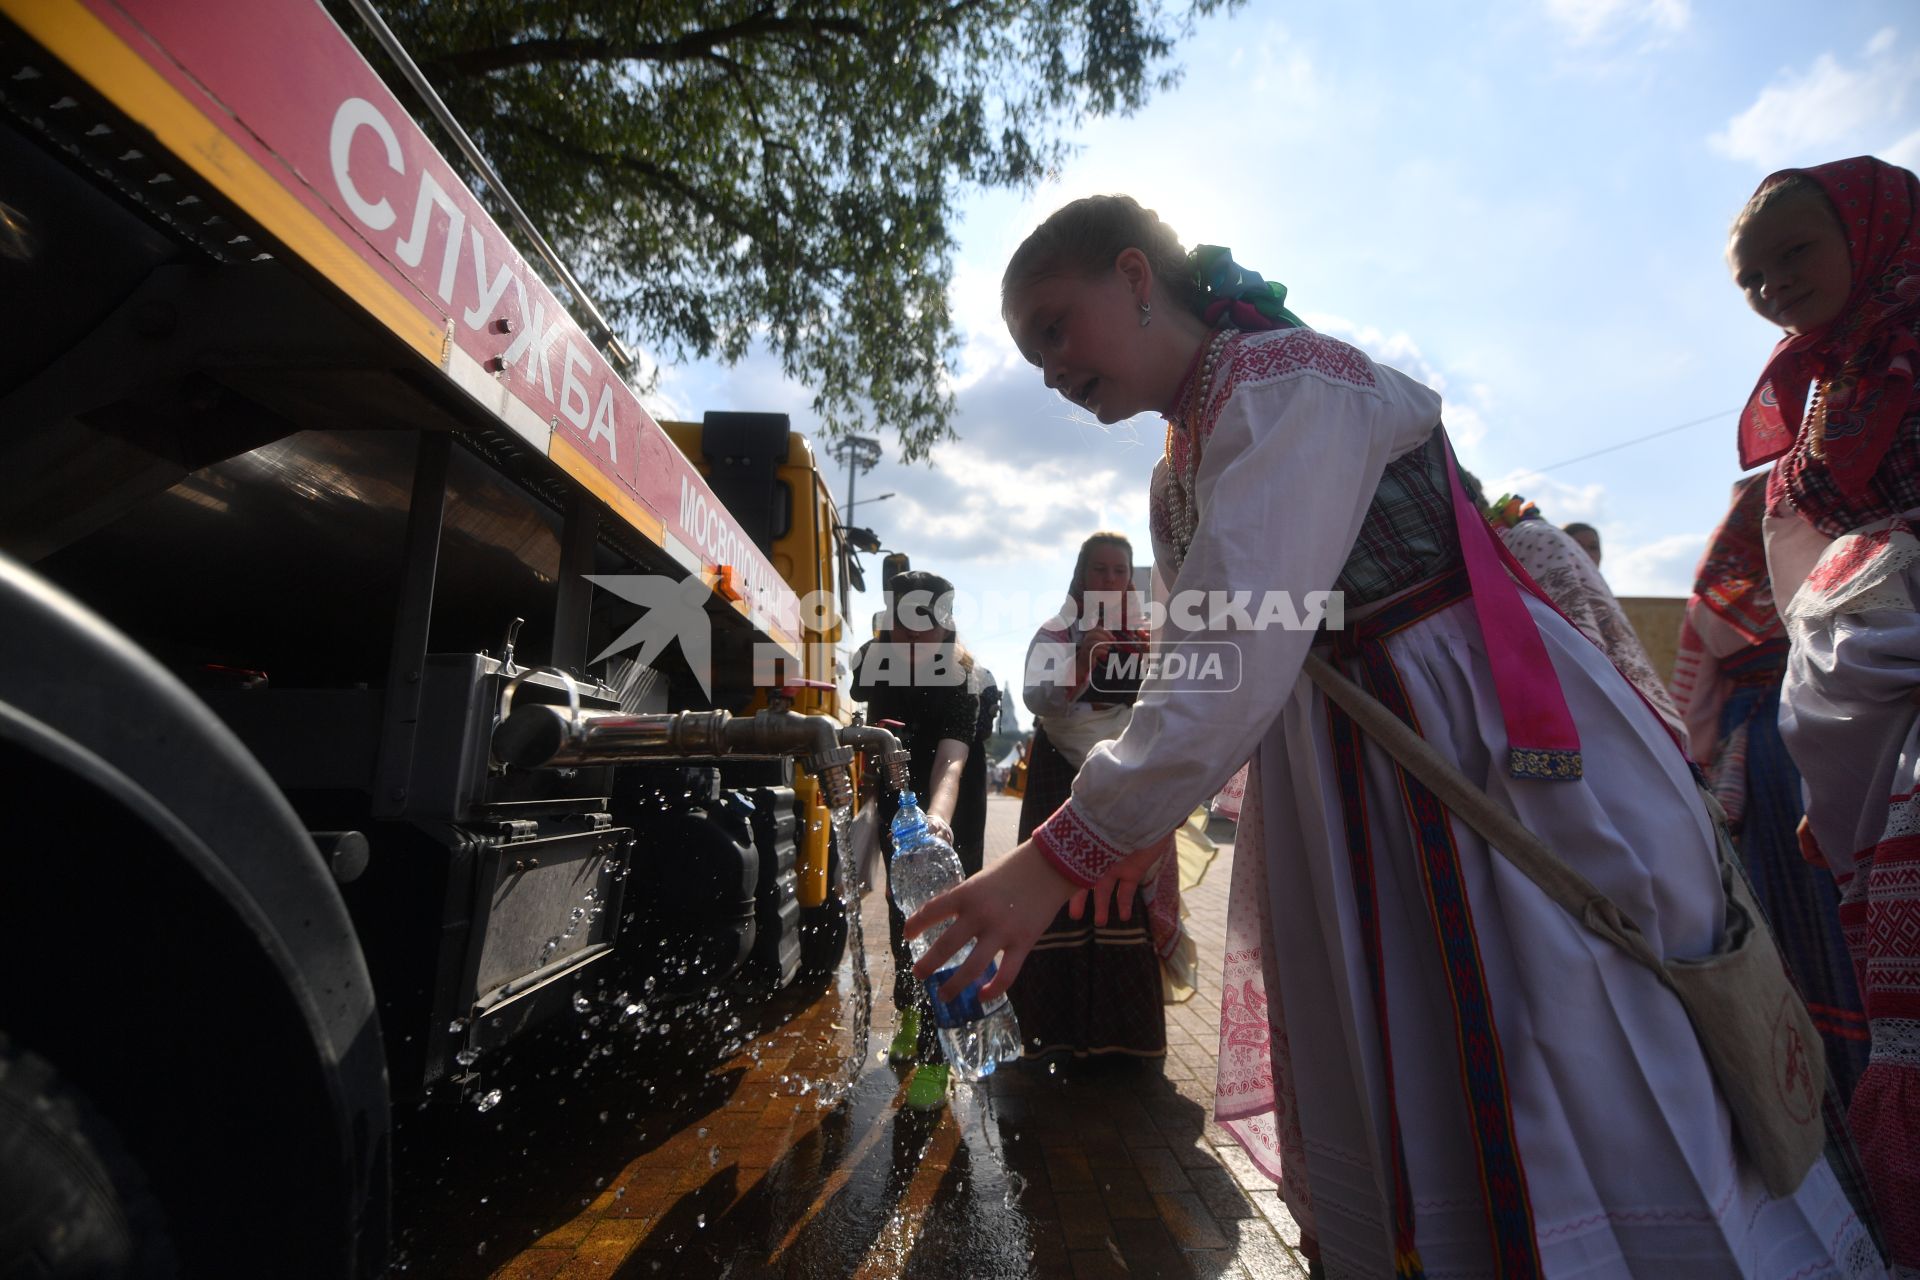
[{"x": 849, "y": 891}]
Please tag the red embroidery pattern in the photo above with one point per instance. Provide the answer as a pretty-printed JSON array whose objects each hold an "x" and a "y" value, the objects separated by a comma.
[
  {"x": 1792, "y": 1076},
  {"x": 1071, "y": 845},
  {"x": 1260, "y": 359},
  {"x": 1163, "y": 912},
  {"x": 1883, "y": 929},
  {"x": 1844, "y": 567},
  {"x": 1245, "y": 1036},
  {"x": 1257, "y": 359}
]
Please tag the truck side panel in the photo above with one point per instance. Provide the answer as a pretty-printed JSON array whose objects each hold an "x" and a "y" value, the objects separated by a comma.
[{"x": 318, "y": 150}]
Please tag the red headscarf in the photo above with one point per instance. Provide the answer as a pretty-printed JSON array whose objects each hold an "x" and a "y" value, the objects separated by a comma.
[
  {"x": 1732, "y": 579},
  {"x": 1868, "y": 352}
]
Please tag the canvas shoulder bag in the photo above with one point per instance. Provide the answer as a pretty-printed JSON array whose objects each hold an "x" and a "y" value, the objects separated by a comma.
[{"x": 1753, "y": 1026}]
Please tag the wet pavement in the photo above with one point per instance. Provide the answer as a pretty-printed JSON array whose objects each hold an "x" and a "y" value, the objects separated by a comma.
[{"x": 711, "y": 1142}]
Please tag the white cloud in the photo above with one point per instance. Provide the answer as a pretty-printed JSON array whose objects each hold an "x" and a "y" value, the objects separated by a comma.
[
  {"x": 1905, "y": 153},
  {"x": 1830, "y": 109},
  {"x": 1558, "y": 501},
  {"x": 1464, "y": 412},
  {"x": 982, "y": 506},
  {"x": 1600, "y": 21},
  {"x": 1288, "y": 76},
  {"x": 1663, "y": 567}
]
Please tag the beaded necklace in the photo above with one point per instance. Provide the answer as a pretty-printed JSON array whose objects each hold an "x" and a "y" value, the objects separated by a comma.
[
  {"x": 1182, "y": 505},
  {"x": 1817, "y": 419}
]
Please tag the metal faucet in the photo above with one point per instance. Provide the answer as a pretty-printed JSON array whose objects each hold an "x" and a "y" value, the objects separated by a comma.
[
  {"x": 882, "y": 748},
  {"x": 544, "y": 736}
]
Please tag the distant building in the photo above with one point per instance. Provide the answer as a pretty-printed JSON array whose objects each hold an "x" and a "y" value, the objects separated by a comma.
[{"x": 1009, "y": 725}]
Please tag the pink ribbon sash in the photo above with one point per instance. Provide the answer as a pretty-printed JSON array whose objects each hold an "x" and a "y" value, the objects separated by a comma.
[{"x": 1542, "y": 742}]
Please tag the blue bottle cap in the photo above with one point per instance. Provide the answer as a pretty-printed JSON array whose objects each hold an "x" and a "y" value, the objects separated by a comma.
[{"x": 908, "y": 820}]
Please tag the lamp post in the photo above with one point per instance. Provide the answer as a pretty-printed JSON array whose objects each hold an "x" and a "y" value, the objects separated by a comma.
[{"x": 859, "y": 453}]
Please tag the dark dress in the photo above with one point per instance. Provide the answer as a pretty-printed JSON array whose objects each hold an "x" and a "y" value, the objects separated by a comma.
[
  {"x": 927, "y": 713},
  {"x": 1084, "y": 992},
  {"x": 970, "y": 814}
]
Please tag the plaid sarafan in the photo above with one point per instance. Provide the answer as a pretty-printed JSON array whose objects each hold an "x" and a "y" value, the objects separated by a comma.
[
  {"x": 1807, "y": 485},
  {"x": 1408, "y": 535}
]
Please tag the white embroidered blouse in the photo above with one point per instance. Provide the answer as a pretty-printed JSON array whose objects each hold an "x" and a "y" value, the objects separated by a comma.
[{"x": 1296, "y": 431}]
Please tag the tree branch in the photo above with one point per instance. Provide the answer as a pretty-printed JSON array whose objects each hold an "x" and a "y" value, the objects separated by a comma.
[{"x": 695, "y": 46}]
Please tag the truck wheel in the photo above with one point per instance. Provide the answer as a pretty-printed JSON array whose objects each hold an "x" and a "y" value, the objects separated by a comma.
[{"x": 72, "y": 1202}]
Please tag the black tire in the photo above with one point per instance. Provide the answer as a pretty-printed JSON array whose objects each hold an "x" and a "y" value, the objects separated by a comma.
[{"x": 73, "y": 1204}]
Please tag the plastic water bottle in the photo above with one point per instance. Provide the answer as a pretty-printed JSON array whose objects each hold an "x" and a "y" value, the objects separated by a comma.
[{"x": 977, "y": 1037}]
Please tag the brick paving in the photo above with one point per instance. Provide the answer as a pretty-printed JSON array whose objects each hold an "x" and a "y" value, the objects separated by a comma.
[{"x": 784, "y": 1158}]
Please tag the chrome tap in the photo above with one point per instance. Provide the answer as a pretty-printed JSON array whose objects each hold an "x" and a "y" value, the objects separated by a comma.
[
  {"x": 882, "y": 748},
  {"x": 544, "y": 736}
]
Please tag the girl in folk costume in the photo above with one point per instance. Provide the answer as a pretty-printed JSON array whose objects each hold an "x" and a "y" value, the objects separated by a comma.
[
  {"x": 1447, "y": 1073},
  {"x": 1726, "y": 682},
  {"x": 1091, "y": 991},
  {"x": 1832, "y": 256}
]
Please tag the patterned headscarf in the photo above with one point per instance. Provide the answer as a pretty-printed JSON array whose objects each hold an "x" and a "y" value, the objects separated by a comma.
[
  {"x": 1868, "y": 353},
  {"x": 1237, "y": 295},
  {"x": 1732, "y": 578}
]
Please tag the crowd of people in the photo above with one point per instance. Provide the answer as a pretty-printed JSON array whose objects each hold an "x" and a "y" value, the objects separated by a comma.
[{"x": 1445, "y": 1067}]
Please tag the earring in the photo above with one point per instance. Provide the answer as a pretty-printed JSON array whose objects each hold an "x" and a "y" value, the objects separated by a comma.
[{"x": 1146, "y": 314}]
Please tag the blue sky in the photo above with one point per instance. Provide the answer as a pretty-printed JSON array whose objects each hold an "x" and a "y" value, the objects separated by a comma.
[{"x": 1523, "y": 204}]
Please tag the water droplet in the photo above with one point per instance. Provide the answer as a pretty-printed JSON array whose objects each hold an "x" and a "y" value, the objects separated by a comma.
[
  {"x": 488, "y": 1100},
  {"x": 603, "y": 1117},
  {"x": 456, "y": 1026},
  {"x": 700, "y": 1221},
  {"x": 619, "y": 1193},
  {"x": 713, "y": 1158},
  {"x": 467, "y": 1057},
  {"x": 580, "y": 1002},
  {"x": 703, "y": 1131}
]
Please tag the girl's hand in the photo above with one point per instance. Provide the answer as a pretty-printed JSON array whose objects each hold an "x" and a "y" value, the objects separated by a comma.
[
  {"x": 1083, "y": 655},
  {"x": 940, "y": 827},
  {"x": 1809, "y": 847},
  {"x": 1093, "y": 636},
  {"x": 1006, "y": 908},
  {"x": 1121, "y": 883},
  {"x": 1002, "y": 911}
]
